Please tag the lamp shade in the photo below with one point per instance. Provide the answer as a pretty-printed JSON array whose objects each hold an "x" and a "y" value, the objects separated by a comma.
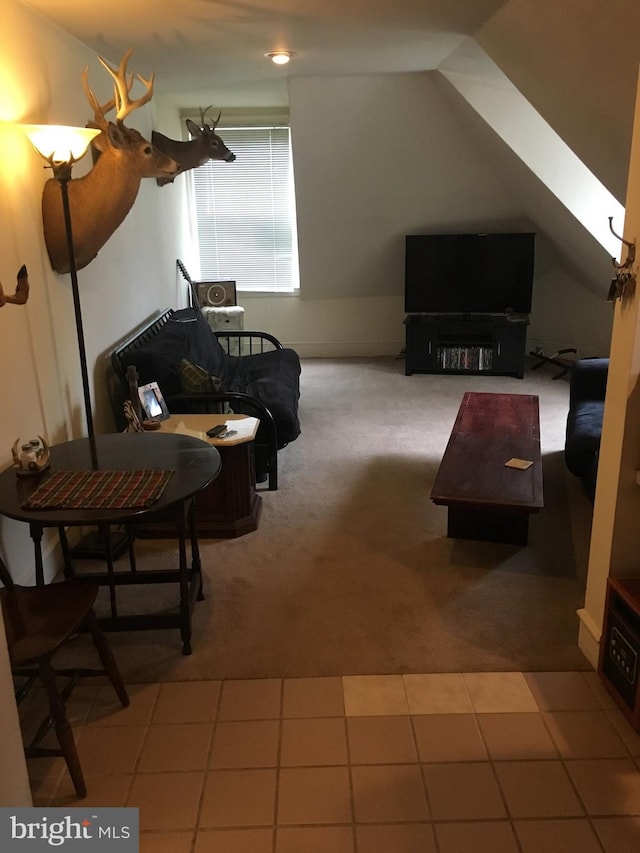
[{"x": 60, "y": 143}]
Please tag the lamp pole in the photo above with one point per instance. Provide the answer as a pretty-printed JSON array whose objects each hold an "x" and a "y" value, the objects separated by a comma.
[
  {"x": 61, "y": 147},
  {"x": 63, "y": 175}
]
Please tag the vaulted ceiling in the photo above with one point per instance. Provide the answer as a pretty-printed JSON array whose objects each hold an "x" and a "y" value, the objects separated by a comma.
[{"x": 196, "y": 46}]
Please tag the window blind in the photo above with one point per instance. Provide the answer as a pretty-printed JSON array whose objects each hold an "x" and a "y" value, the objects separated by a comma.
[{"x": 245, "y": 212}]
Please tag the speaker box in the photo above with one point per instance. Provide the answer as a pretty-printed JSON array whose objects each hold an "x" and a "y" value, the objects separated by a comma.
[{"x": 216, "y": 294}]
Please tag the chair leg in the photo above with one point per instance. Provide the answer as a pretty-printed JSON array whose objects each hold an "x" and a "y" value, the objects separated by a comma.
[
  {"x": 107, "y": 659},
  {"x": 64, "y": 732}
]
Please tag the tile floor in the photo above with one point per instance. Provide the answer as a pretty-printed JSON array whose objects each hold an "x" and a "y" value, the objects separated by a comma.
[{"x": 440, "y": 763}]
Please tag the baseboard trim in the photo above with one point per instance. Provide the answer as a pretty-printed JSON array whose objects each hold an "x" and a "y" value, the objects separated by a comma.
[
  {"x": 589, "y": 636},
  {"x": 347, "y": 349}
]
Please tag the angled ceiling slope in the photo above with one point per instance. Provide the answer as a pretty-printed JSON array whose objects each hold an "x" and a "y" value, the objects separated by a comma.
[{"x": 492, "y": 95}]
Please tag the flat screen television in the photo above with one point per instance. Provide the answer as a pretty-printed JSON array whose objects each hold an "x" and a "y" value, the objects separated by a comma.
[{"x": 469, "y": 273}]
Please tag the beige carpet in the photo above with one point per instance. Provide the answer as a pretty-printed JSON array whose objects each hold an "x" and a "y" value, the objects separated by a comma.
[{"x": 351, "y": 571}]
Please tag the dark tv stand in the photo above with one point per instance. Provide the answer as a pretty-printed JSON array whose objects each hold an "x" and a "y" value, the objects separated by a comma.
[{"x": 466, "y": 343}]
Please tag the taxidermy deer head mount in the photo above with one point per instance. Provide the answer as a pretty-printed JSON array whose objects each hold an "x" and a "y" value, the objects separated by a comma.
[
  {"x": 205, "y": 145},
  {"x": 101, "y": 199}
]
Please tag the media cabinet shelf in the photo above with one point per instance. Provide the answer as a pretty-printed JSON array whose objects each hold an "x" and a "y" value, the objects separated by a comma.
[{"x": 454, "y": 343}]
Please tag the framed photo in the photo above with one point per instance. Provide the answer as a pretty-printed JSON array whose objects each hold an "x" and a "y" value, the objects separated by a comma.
[{"x": 153, "y": 405}]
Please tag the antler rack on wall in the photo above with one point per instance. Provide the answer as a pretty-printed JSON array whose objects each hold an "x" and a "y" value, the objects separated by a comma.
[
  {"x": 624, "y": 282},
  {"x": 22, "y": 289}
]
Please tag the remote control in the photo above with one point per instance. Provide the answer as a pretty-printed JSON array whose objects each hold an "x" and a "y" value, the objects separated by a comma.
[{"x": 215, "y": 431}]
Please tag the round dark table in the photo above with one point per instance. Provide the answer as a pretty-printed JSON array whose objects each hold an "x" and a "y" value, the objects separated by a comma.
[{"x": 195, "y": 464}]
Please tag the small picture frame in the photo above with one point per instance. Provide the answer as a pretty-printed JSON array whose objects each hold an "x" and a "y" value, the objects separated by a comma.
[{"x": 153, "y": 405}]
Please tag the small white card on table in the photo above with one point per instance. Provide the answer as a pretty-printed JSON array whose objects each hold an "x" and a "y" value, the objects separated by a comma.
[{"x": 521, "y": 464}]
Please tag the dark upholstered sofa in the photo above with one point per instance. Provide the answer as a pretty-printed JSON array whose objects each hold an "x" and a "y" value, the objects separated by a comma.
[
  {"x": 587, "y": 390},
  {"x": 263, "y": 381}
]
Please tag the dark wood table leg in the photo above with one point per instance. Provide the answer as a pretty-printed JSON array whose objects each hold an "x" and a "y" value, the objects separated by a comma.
[
  {"x": 36, "y": 531},
  {"x": 196, "y": 563},
  {"x": 185, "y": 609},
  {"x": 105, "y": 532},
  {"x": 131, "y": 538},
  {"x": 66, "y": 552}
]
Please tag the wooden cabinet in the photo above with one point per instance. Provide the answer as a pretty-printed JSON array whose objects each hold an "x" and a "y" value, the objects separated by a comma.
[
  {"x": 619, "y": 662},
  {"x": 229, "y": 506},
  {"x": 450, "y": 343}
]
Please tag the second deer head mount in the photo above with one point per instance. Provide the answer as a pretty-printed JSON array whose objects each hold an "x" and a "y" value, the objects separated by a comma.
[
  {"x": 101, "y": 199},
  {"x": 205, "y": 145}
]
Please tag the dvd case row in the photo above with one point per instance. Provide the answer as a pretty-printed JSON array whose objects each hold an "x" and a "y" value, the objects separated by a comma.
[{"x": 464, "y": 358}]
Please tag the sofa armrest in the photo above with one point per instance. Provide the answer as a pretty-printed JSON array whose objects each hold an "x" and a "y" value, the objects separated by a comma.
[{"x": 588, "y": 379}]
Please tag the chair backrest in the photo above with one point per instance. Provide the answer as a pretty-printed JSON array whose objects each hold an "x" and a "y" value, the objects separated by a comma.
[{"x": 14, "y": 627}]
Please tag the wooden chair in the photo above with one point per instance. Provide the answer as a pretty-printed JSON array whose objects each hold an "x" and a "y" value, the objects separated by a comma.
[{"x": 38, "y": 622}]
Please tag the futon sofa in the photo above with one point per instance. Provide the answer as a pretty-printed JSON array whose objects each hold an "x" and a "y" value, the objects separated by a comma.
[
  {"x": 588, "y": 385},
  {"x": 195, "y": 373}
]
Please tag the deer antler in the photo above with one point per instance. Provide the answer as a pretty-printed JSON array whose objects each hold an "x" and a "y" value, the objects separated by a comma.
[
  {"x": 203, "y": 116},
  {"x": 99, "y": 111},
  {"x": 123, "y": 86}
]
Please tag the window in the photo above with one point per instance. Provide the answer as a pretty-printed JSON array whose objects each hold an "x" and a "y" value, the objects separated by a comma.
[{"x": 245, "y": 212}]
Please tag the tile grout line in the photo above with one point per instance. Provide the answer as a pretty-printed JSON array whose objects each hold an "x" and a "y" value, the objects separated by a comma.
[
  {"x": 276, "y": 793},
  {"x": 214, "y": 728},
  {"x": 352, "y": 799}
]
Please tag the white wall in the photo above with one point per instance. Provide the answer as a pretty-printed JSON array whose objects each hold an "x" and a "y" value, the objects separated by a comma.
[{"x": 377, "y": 157}]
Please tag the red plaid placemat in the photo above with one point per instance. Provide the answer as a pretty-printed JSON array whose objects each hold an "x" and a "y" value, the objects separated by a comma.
[{"x": 99, "y": 490}]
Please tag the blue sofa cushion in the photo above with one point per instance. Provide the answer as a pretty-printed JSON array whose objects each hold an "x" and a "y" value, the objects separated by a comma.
[
  {"x": 272, "y": 377},
  {"x": 584, "y": 421},
  {"x": 584, "y": 429}
]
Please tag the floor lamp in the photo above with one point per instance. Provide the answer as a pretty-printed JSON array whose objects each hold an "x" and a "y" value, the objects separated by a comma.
[{"x": 61, "y": 147}]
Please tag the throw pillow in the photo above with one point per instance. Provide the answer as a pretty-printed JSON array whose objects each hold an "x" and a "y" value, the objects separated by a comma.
[{"x": 195, "y": 379}]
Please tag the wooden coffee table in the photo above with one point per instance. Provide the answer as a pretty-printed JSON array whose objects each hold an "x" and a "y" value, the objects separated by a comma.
[{"x": 486, "y": 499}]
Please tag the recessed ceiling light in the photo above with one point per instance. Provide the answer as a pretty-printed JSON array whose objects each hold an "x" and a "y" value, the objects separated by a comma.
[{"x": 280, "y": 57}]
